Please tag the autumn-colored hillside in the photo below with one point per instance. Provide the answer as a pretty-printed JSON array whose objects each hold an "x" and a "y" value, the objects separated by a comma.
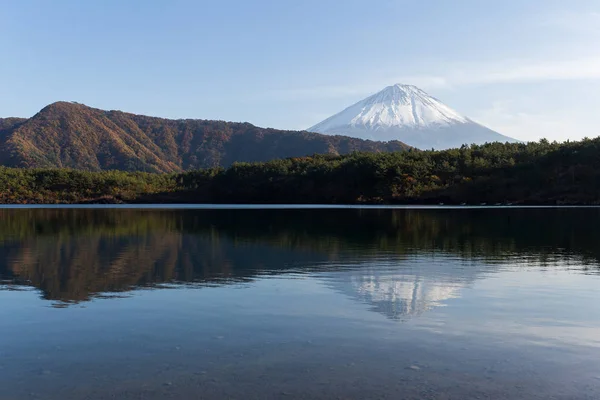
[
  {"x": 71, "y": 135},
  {"x": 7, "y": 123}
]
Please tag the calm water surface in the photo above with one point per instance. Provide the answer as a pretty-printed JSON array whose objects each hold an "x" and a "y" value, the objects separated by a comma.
[{"x": 300, "y": 303}]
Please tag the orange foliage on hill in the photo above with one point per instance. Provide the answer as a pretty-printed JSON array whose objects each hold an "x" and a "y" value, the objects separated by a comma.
[{"x": 72, "y": 135}]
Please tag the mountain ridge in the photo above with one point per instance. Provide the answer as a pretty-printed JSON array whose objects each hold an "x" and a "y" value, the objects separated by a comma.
[
  {"x": 72, "y": 135},
  {"x": 407, "y": 113}
]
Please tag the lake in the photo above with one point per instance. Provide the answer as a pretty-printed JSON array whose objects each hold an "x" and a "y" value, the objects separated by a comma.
[{"x": 348, "y": 303}]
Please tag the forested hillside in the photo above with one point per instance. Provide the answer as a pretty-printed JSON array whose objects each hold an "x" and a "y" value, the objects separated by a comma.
[
  {"x": 7, "y": 123},
  {"x": 534, "y": 173},
  {"x": 70, "y": 135}
]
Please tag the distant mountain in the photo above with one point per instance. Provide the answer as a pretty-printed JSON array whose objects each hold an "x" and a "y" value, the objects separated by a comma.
[
  {"x": 6, "y": 123},
  {"x": 76, "y": 136},
  {"x": 407, "y": 113}
]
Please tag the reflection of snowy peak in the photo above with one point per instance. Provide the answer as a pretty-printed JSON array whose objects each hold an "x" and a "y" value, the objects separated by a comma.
[
  {"x": 403, "y": 295},
  {"x": 406, "y": 288},
  {"x": 407, "y": 113}
]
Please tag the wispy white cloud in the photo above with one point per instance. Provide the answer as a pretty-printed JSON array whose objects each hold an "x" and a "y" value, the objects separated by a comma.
[
  {"x": 357, "y": 89},
  {"x": 575, "y": 22},
  {"x": 550, "y": 70},
  {"x": 509, "y": 118},
  {"x": 320, "y": 92},
  {"x": 456, "y": 75}
]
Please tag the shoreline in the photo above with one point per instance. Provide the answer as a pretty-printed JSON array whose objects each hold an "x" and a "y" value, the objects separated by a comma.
[{"x": 227, "y": 206}]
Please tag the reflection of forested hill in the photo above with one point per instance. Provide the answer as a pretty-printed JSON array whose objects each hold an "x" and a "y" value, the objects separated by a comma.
[
  {"x": 71, "y": 255},
  {"x": 73, "y": 269}
]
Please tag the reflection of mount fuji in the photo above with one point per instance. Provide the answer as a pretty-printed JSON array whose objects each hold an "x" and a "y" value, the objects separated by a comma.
[
  {"x": 406, "y": 288},
  {"x": 403, "y": 294}
]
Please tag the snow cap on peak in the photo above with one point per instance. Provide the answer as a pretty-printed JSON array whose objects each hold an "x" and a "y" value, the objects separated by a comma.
[
  {"x": 403, "y": 86},
  {"x": 399, "y": 105}
]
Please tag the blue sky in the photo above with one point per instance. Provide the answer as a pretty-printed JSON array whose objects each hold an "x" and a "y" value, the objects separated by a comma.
[{"x": 526, "y": 68}]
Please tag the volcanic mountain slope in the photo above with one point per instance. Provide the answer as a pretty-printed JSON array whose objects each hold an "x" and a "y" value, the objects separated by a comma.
[
  {"x": 407, "y": 113},
  {"x": 71, "y": 135}
]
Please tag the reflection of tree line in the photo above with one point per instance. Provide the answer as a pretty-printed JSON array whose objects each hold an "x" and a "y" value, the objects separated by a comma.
[{"x": 72, "y": 254}]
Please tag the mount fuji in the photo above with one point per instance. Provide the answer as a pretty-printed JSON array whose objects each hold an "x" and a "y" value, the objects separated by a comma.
[{"x": 408, "y": 114}]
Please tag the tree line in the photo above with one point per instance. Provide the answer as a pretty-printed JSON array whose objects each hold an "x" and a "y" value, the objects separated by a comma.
[{"x": 506, "y": 173}]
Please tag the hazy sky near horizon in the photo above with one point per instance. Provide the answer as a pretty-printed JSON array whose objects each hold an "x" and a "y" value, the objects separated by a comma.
[{"x": 526, "y": 68}]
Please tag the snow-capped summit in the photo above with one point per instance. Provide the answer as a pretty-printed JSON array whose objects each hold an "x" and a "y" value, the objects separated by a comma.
[
  {"x": 397, "y": 105},
  {"x": 408, "y": 114}
]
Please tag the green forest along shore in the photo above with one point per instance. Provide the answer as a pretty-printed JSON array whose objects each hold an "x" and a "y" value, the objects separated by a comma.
[{"x": 534, "y": 173}]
